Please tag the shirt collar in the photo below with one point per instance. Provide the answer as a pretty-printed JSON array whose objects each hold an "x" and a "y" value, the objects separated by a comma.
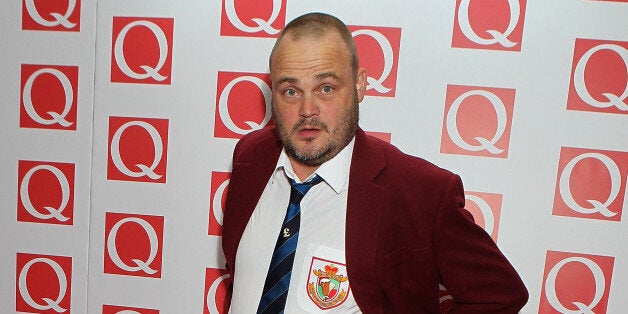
[{"x": 334, "y": 171}]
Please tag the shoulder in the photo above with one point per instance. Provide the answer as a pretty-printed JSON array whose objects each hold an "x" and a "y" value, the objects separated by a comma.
[
  {"x": 406, "y": 167},
  {"x": 261, "y": 135},
  {"x": 264, "y": 139}
]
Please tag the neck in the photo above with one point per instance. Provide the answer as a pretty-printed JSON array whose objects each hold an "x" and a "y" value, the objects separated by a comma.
[{"x": 301, "y": 170}]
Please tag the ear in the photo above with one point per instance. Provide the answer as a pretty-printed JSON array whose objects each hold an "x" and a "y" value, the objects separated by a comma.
[{"x": 360, "y": 83}]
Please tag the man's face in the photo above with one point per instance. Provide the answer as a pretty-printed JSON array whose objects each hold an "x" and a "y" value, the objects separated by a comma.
[{"x": 315, "y": 97}]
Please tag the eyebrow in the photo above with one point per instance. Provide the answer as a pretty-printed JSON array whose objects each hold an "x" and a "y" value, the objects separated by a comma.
[
  {"x": 324, "y": 75},
  {"x": 286, "y": 80},
  {"x": 320, "y": 76}
]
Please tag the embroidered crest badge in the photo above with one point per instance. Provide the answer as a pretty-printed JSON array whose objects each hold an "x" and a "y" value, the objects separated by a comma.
[{"x": 327, "y": 283}]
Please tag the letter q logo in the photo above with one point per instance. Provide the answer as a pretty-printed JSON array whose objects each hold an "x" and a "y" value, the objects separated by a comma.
[
  {"x": 599, "y": 79},
  {"x": 252, "y": 18},
  {"x": 219, "y": 187},
  {"x": 378, "y": 51},
  {"x": 133, "y": 244},
  {"x": 138, "y": 149},
  {"x": 477, "y": 121},
  {"x": 114, "y": 309},
  {"x": 489, "y": 24},
  {"x": 45, "y": 15},
  {"x": 486, "y": 210},
  {"x": 43, "y": 283},
  {"x": 142, "y": 50},
  {"x": 384, "y": 136},
  {"x": 242, "y": 103},
  {"x": 45, "y": 192},
  {"x": 216, "y": 284},
  {"x": 48, "y": 97},
  {"x": 445, "y": 300},
  {"x": 576, "y": 283},
  {"x": 591, "y": 184}
]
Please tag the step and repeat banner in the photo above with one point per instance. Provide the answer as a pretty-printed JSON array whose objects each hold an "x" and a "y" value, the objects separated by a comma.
[{"x": 119, "y": 119}]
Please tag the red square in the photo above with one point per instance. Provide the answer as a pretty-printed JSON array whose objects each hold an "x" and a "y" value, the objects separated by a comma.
[
  {"x": 599, "y": 76},
  {"x": 133, "y": 244},
  {"x": 489, "y": 24},
  {"x": 45, "y": 192},
  {"x": 51, "y": 15},
  {"x": 446, "y": 301},
  {"x": 48, "y": 96},
  {"x": 378, "y": 51},
  {"x": 590, "y": 184},
  {"x": 486, "y": 209},
  {"x": 138, "y": 149},
  {"x": 114, "y": 309},
  {"x": 242, "y": 103},
  {"x": 576, "y": 283},
  {"x": 141, "y": 50},
  {"x": 217, "y": 282},
  {"x": 252, "y": 18},
  {"x": 43, "y": 283},
  {"x": 219, "y": 188},
  {"x": 477, "y": 121},
  {"x": 386, "y": 137}
]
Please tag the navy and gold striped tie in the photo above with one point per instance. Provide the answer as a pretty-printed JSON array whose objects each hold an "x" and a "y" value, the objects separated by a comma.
[{"x": 278, "y": 278}]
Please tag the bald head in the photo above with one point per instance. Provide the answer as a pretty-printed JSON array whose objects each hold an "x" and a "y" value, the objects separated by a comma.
[{"x": 317, "y": 26}]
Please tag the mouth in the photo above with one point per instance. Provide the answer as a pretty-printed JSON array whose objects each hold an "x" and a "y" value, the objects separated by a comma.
[
  {"x": 308, "y": 132},
  {"x": 309, "y": 129}
]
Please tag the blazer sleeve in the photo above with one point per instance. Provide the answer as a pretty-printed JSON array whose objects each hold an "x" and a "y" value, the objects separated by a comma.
[{"x": 476, "y": 274}]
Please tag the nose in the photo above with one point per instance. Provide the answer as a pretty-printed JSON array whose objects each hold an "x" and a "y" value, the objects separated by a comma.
[{"x": 309, "y": 106}]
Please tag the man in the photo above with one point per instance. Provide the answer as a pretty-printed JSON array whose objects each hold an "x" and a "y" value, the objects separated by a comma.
[{"x": 382, "y": 230}]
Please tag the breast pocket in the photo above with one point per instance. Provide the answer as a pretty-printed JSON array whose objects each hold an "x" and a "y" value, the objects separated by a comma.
[{"x": 324, "y": 285}]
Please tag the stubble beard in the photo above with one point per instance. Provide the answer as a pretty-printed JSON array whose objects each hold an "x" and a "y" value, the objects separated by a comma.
[{"x": 347, "y": 126}]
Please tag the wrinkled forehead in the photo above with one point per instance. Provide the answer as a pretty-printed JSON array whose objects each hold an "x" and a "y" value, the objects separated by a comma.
[{"x": 309, "y": 46}]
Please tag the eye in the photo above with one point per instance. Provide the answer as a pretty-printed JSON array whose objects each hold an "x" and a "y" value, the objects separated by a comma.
[
  {"x": 327, "y": 89},
  {"x": 290, "y": 92}
]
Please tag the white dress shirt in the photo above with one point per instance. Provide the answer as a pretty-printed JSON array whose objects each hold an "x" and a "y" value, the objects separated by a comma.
[{"x": 321, "y": 245}]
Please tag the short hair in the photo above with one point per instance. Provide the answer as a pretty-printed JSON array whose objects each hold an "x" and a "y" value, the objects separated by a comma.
[{"x": 317, "y": 25}]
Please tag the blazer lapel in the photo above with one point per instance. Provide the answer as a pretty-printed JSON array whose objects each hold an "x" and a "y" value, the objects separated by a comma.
[
  {"x": 364, "y": 207},
  {"x": 248, "y": 179},
  {"x": 253, "y": 177}
]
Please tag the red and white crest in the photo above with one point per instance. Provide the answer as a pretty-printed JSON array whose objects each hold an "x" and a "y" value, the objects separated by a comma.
[
  {"x": 216, "y": 285},
  {"x": 591, "y": 184},
  {"x": 219, "y": 188},
  {"x": 133, "y": 244},
  {"x": 48, "y": 96},
  {"x": 486, "y": 210},
  {"x": 43, "y": 283},
  {"x": 378, "y": 51},
  {"x": 489, "y": 24},
  {"x": 242, "y": 103},
  {"x": 576, "y": 283},
  {"x": 45, "y": 192},
  {"x": 142, "y": 50},
  {"x": 252, "y": 18},
  {"x": 327, "y": 283},
  {"x": 138, "y": 149},
  {"x": 114, "y": 309},
  {"x": 477, "y": 121},
  {"x": 599, "y": 76},
  {"x": 45, "y": 15}
]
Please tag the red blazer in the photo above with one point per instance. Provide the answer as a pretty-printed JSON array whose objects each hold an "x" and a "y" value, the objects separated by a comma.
[{"x": 407, "y": 231}]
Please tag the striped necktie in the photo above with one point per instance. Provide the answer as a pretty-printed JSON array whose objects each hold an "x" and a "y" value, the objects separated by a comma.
[{"x": 278, "y": 278}]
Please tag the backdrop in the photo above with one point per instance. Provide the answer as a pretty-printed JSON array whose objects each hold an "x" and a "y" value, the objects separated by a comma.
[{"x": 119, "y": 119}]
